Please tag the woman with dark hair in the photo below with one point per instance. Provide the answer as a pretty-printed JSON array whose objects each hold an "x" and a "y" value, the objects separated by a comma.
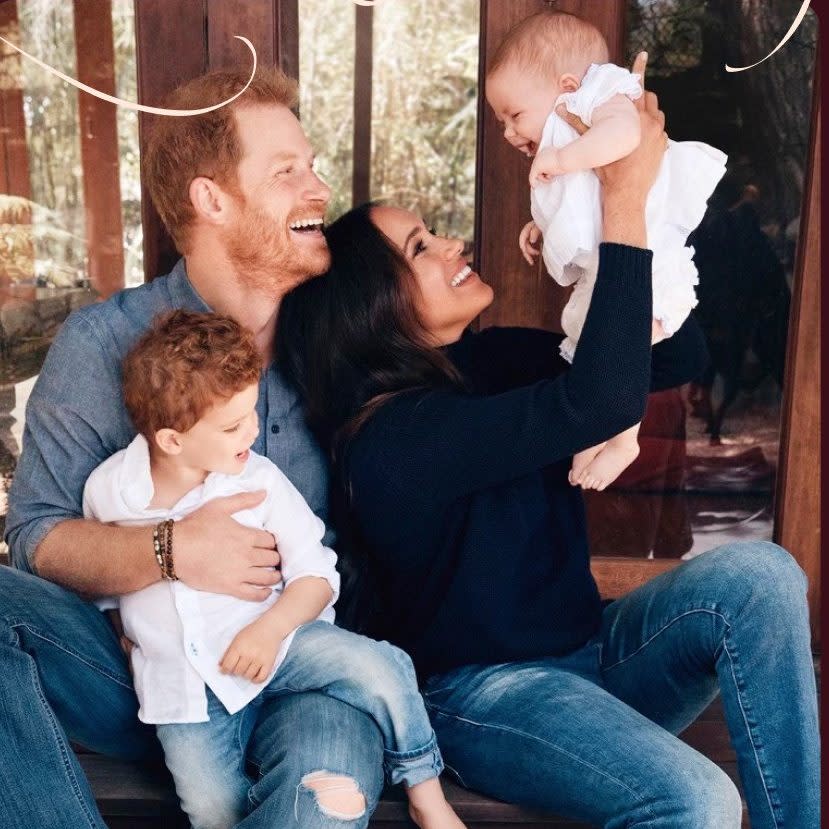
[{"x": 453, "y": 449}]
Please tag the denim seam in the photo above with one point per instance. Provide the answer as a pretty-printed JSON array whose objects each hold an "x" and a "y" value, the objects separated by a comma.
[
  {"x": 661, "y": 631},
  {"x": 64, "y": 754},
  {"x": 728, "y": 628},
  {"x": 553, "y": 746},
  {"x": 99, "y": 668},
  {"x": 749, "y": 730}
]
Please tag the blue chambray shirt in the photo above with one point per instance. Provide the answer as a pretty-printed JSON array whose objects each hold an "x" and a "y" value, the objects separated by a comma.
[{"x": 76, "y": 418}]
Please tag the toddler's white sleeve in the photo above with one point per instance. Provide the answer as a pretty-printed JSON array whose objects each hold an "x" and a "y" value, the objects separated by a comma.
[{"x": 299, "y": 533}]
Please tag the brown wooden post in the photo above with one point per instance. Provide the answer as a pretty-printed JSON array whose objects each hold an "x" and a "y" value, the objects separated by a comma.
[
  {"x": 363, "y": 73},
  {"x": 171, "y": 47},
  {"x": 95, "y": 53},
  {"x": 14, "y": 156},
  {"x": 797, "y": 507}
]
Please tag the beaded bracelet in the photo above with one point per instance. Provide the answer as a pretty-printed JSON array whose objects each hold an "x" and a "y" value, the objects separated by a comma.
[{"x": 163, "y": 548}]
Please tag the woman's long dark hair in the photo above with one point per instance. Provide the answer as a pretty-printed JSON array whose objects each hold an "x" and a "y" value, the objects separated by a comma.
[{"x": 349, "y": 341}]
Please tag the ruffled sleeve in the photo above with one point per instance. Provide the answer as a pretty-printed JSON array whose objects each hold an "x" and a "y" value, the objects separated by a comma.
[{"x": 600, "y": 84}]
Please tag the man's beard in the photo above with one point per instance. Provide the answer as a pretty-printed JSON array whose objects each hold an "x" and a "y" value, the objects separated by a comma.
[{"x": 265, "y": 258}]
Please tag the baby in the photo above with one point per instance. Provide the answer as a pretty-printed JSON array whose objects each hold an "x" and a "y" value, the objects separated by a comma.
[
  {"x": 199, "y": 659},
  {"x": 554, "y": 58}
]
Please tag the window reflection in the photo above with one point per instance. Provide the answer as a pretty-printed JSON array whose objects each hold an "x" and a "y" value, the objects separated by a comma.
[
  {"x": 423, "y": 77},
  {"x": 707, "y": 470},
  {"x": 46, "y": 244}
]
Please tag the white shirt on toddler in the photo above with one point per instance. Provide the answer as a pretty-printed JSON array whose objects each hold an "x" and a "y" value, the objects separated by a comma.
[{"x": 181, "y": 634}]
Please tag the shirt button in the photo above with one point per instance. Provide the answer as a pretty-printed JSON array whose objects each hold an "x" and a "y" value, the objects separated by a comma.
[{"x": 274, "y": 428}]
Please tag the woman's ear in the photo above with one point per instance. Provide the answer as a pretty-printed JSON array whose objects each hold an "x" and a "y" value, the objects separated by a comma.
[
  {"x": 568, "y": 82},
  {"x": 168, "y": 441}
]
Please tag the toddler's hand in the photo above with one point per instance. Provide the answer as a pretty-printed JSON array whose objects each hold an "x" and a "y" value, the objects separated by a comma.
[
  {"x": 252, "y": 653},
  {"x": 546, "y": 166},
  {"x": 528, "y": 241}
]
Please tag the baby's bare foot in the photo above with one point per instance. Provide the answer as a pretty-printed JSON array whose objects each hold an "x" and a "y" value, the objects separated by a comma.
[
  {"x": 581, "y": 460},
  {"x": 608, "y": 465}
]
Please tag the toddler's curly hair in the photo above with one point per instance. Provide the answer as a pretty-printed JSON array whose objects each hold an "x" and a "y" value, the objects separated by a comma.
[{"x": 184, "y": 365}]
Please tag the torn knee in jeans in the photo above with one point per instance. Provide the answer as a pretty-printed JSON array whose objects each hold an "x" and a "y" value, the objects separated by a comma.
[{"x": 337, "y": 795}]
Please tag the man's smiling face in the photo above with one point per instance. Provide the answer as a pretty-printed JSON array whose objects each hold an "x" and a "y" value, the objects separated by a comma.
[{"x": 275, "y": 240}]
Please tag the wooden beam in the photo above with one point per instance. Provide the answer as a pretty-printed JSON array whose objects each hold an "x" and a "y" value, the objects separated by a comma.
[
  {"x": 95, "y": 54},
  {"x": 363, "y": 73},
  {"x": 797, "y": 506},
  {"x": 255, "y": 20},
  {"x": 14, "y": 155},
  {"x": 171, "y": 47}
]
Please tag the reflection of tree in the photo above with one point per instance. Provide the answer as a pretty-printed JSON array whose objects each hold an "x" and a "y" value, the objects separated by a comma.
[
  {"x": 776, "y": 95},
  {"x": 424, "y": 103},
  {"x": 760, "y": 117}
]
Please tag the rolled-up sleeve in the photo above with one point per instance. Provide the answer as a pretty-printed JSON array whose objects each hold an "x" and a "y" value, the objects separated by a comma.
[
  {"x": 72, "y": 424},
  {"x": 299, "y": 535}
]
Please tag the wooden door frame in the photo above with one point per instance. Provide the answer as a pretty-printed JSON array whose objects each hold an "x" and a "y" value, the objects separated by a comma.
[{"x": 527, "y": 296}]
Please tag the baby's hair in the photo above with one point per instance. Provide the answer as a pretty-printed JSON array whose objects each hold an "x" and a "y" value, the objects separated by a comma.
[
  {"x": 550, "y": 42},
  {"x": 184, "y": 365}
]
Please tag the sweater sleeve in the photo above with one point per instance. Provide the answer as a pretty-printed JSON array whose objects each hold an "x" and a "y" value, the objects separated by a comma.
[
  {"x": 679, "y": 359},
  {"x": 445, "y": 444}
]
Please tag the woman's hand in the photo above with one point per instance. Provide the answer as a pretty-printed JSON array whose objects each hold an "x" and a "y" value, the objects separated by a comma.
[{"x": 627, "y": 182}]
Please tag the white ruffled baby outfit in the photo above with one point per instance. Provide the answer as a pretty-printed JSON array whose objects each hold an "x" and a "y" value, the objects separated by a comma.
[{"x": 568, "y": 211}]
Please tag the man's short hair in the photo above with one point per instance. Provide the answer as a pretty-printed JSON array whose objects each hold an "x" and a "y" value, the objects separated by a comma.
[
  {"x": 180, "y": 148},
  {"x": 184, "y": 365},
  {"x": 550, "y": 42}
]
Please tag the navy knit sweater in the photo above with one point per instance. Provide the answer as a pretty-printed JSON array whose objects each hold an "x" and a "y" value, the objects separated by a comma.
[{"x": 475, "y": 539}]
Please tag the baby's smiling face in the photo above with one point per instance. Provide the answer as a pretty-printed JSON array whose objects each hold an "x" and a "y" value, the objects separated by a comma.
[{"x": 521, "y": 101}]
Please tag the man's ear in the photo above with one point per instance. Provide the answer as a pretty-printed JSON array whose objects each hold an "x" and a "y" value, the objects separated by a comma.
[
  {"x": 568, "y": 82},
  {"x": 168, "y": 441},
  {"x": 209, "y": 200}
]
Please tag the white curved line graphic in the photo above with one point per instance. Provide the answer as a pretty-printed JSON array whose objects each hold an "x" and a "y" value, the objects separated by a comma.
[
  {"x": 797, "y": 21},
  {"x": 130, "y": 104}
]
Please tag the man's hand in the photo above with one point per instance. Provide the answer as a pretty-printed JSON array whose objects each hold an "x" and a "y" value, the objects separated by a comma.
[
  {"x": 252, "y": 652},
  {"x": 214, "y": 552},
  {"x": 546, "y": 166},
  {"x": 528, "y": 242}
]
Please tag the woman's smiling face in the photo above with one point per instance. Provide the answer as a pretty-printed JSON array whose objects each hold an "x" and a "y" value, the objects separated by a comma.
[{"x": 449, "y": 294}]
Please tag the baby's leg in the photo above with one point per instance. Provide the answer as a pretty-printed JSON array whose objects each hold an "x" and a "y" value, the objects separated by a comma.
[
  {"x": 616, "y": 456},
  {"x": 583, "y": 459},
  {"x": 377, "y": 678},
  {"x": 207, "y": 761}
]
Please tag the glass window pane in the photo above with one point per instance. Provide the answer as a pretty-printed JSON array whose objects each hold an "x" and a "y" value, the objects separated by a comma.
[
  {"x": 326, "y": 90},
  {"x": 709, "y": 454},
  {"x": 425, "y": 101},
  {"x": 424, "y": 88},
  {"x": 44, "y": 217}
]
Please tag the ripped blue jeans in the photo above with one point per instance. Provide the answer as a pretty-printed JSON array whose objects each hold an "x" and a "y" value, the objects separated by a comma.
[{"x": 207, "y": 759}]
